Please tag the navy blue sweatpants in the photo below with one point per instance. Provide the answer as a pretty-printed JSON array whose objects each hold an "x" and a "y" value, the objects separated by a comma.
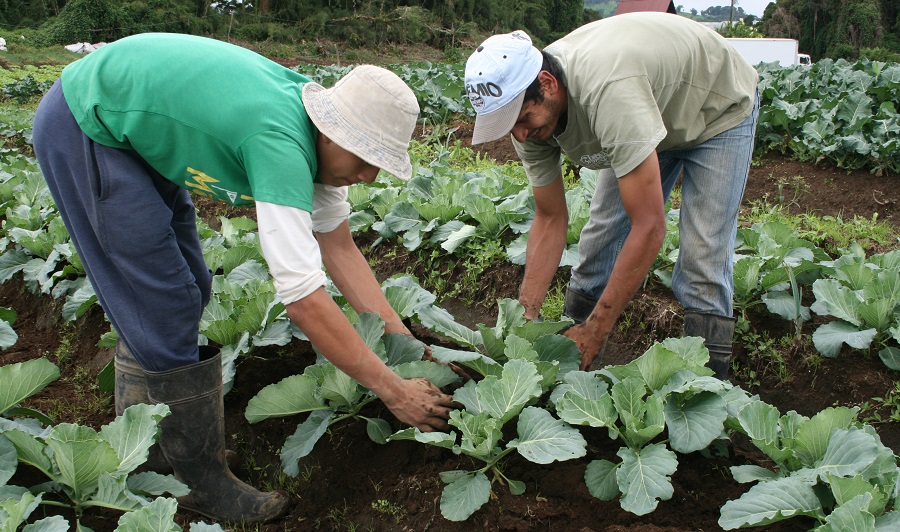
[{"x": 135, "y": 233}]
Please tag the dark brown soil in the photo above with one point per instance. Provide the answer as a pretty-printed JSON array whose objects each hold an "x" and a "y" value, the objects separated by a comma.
[{"x": 350, "y": 483}]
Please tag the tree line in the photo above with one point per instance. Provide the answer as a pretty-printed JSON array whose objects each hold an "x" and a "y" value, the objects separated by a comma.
[
  {"x": 437, "y": 23},
  {"x": 825, "y": 28},
  {"x": 838, "y": 28}
]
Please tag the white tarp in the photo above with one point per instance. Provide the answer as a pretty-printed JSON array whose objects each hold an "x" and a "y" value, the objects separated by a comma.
[{"x": 83, "y": 47}]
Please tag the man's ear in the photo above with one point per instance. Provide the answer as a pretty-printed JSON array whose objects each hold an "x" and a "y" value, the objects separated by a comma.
[{"x": 549, "y": 83}]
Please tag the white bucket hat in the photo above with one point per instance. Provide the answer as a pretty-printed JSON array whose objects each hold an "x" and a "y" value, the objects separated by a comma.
[
  {"x": 497, "y": 74},
  {"x": 371, "y": 113}
]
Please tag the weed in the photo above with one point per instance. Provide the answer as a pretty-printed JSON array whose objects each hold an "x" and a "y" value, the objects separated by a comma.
[
  {"x": 64, "y": 352},
  {"x": 434, "y": 272},
  {"x": 552, "y": 308},
  {"x": 764, "y": 353},
  {"x": 387, "y": 508},
  {"x": 835, "y": 233},
  {"x": 306, "y": 475},
  {"x": 831, "y": 233},
  {"x": 750, "y": 380},
  {"x": 336, "y": 519},
  {"x": 791, "y": 189},
  {"x": 870, "y": 411},
  {"x": 437, "y": 135},
  {"x": 281, "y": 481}
]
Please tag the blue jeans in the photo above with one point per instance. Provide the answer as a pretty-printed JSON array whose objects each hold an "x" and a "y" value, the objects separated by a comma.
[
  {"x": 715, "y": 174},
  {"x": 135, "y": 232}
]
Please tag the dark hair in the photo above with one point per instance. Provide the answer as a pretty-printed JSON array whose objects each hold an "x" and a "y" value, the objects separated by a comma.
[{"x": 534, "y": 93}]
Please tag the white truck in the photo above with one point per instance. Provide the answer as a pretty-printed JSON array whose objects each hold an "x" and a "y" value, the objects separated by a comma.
[{"x": 766, "y": 50}]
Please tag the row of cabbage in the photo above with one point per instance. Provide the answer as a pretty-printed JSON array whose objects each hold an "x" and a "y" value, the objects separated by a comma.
[
  {"x": 528, "y": 397},
  {"x": 828, "y": 467},
  {"x": 845, "y": 113},
  {"x": 839, "y": 111},
  {"x": 457, "y": 211}
]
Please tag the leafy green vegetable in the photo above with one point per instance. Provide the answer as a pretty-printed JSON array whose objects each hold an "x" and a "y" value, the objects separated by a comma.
[
  {"x": 667, "y": 387},
  {"x": 331, "y": 396},
  {"x": 828, "y": 467}
]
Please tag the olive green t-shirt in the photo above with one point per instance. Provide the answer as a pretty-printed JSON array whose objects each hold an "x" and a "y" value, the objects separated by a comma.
[
  {"x": 640, "y": 82},
  {"x": 212, "y": 117}
]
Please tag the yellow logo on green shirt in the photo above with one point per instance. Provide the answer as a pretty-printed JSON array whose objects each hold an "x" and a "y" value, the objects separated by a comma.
[{"x": 202, "y": 184}]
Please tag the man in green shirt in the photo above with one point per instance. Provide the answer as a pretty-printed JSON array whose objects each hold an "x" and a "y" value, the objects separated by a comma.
[
  {"x": 122, "y": 138},
  {"x": 643, "y": 96}
]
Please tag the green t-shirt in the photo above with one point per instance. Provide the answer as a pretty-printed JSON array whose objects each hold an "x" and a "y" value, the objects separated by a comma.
[
  {"x": 640, "y": 82},
  {"x": 210, "y": 116}
]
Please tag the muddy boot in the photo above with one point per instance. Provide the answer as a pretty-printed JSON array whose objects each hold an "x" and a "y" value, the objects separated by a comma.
[
  {"x": 718, "y": 333},
  {"x": 578, "y": 306},
  {"x": 131, "y": 389},
  {"x": 193, "y": 440}
]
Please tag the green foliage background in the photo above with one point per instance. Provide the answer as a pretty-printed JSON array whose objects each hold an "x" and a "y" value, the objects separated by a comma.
[
  {"x": 847, "y": 29},
  {"x": 360, "y": 23}
]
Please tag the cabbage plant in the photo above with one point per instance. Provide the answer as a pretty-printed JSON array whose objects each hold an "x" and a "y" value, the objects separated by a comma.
[
  {"x": 518, "y": 361},
  {"x": 668, "y": 388},
  {"x": 862, "y": 295},
  {"x": 828, "y": 467},
  {"x": 331, "y": 396},
  {"x": 84, "y": 467}
]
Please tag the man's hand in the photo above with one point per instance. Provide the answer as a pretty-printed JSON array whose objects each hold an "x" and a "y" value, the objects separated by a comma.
[
  {"x": 419, "y": 403},
  {"x": 588, "y": 341}
]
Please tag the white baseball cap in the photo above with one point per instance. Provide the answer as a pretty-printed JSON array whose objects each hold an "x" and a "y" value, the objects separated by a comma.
[
  {"x": 370, "y": 112},
  {"x": 497, "y": 74}
]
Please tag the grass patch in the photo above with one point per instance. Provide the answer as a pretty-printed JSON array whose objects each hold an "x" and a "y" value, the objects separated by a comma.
[
  {"x": 832, "y": 233},
  {"x": 20, "y": 53}
]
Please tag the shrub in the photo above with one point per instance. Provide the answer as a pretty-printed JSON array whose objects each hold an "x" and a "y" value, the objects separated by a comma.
[
  {"x": 842, "y": 51},
  {"x": 84, "y": 21},
  {"x": 880, "y": 54},
  {"x": 253, "y": 32}
]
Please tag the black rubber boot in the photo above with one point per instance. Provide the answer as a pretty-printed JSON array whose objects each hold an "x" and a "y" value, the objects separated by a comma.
[
  {"x": 193, "y": 440},
  {"x": 131, "y": 389},
  {"x": 718, "y": 334},
  {"x": 578, "y": 306}
]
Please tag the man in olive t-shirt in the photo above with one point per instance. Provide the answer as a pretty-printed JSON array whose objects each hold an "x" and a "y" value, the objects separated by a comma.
[
  {"x": 124, "y": 136},
  {"x": 641, "y": 97}
]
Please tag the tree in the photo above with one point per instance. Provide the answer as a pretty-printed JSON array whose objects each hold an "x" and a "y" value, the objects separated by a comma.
[
  {"x": 833, "y": 28},
  {"x": 28, "y": 12}
]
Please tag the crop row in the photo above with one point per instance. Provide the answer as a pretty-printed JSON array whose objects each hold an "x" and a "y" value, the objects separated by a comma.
[
  {"x": 462, "y": 212},
  {"x": 838, "y": 111},
  {"x": 830, "y": 466}
]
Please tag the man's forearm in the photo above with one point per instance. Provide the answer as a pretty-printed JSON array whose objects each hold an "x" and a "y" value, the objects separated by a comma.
[
  {"x": 546, "y": 242},
  {"x": 354, "y": 278},
  {"x": 631, "y": 267},
  {"x": 322, "y": 321}
]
